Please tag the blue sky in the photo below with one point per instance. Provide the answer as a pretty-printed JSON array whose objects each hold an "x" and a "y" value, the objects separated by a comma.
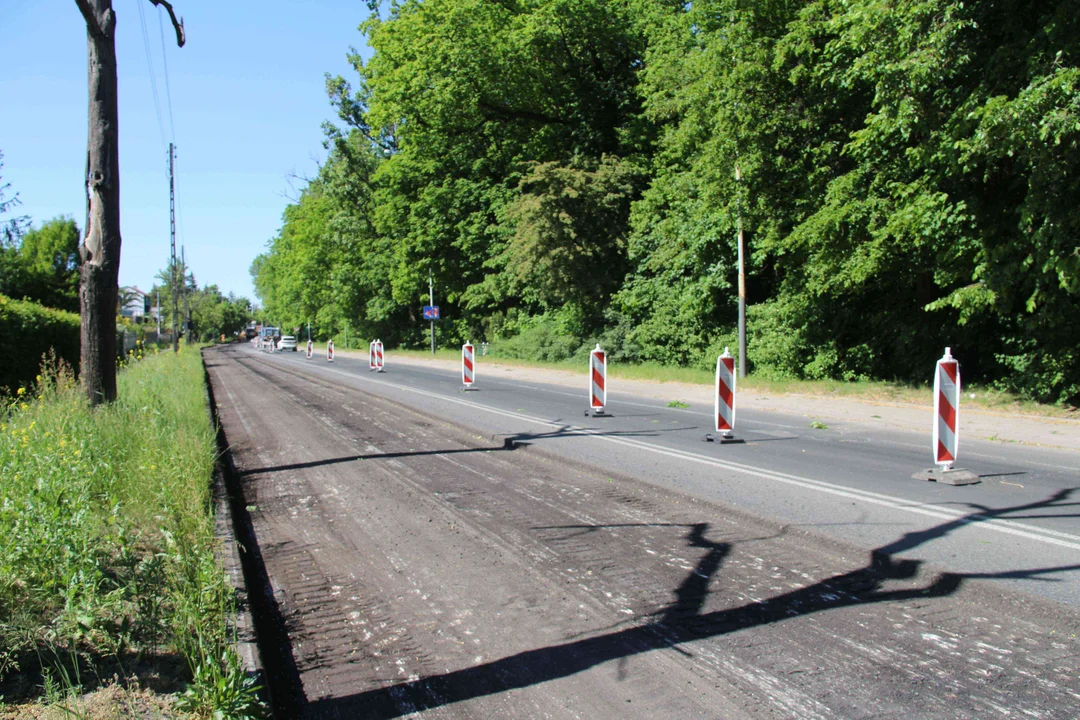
[{"x": 248, "y": 100}]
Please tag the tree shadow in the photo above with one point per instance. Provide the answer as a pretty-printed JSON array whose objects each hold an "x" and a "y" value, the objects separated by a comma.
[
  {"x": 510, "y": 442},
  {"x": 372, "y": 456},
  {"x": 682, "y": 621}
]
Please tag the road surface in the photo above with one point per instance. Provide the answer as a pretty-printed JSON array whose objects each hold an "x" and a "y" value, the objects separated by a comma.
[{"x": 497, "y": 554}]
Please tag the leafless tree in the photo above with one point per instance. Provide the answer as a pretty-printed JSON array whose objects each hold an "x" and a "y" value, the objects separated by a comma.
[{"x": 100, "y": 247}]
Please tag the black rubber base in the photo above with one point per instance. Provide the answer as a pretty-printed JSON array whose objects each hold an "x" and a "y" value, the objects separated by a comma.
[{"x": 722, "y": 439}]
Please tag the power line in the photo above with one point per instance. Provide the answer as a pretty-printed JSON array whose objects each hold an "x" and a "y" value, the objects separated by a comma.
[
  {"x": 153, "y": 75},
  {"x": 165, "y": 65}
]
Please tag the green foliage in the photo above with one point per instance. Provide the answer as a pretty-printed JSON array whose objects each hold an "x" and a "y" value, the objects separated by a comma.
[
  {"x": 43, "y": 265},
  {"x": 31, "y": 331},
  {"x": 548, "y": 338},
  {"x": 904, "y": 173},
  {"x": 567, "y": 247},
  {"x": 106, "y": 540},
  {"x": 212, "y": 313}
]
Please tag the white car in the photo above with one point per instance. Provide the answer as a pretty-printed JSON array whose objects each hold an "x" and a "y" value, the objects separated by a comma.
[{"x": 287, "y": 342}]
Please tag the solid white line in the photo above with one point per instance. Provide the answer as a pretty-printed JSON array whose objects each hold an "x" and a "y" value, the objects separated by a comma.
[{"x": 1005, "y": 526}]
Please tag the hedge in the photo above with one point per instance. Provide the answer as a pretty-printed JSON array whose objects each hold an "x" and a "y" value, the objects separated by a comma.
[{"x": 27, "y": 332}]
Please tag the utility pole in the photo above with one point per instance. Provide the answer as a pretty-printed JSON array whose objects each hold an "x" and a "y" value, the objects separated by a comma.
[
  {"x": 172, "y": 253},
  {"x": 431, "y": 301},
  {"x": 742, "y": 275},
  {"x": 158, "y": 313},
  {"x": 187, "y": 308},
  {"x": 99, "y": 251}
]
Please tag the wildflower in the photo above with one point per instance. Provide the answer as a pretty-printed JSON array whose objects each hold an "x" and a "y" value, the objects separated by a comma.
[{"x": 21, "y": 391}]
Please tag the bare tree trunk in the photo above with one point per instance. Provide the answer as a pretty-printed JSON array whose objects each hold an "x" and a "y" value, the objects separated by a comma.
[{"x": 100, "y": 248}]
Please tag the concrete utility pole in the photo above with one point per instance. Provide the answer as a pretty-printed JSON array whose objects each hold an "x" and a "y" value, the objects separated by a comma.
[
  {"x": 172, "y": 254},
  {"x": 431, "y": 301},
  {"x": 742, "y": 275}
]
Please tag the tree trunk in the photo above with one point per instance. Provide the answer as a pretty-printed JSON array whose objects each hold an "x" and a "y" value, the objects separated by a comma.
[{"x": 100, "y": 248}]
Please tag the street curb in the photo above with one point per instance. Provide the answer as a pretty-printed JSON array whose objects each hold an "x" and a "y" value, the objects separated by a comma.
[
  {"x": 267, "y": 649},
  {"x": 229, "y": 553}
]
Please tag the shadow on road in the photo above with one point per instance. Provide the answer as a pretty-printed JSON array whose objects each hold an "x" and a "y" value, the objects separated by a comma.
[{"x": 682, "y": 621}]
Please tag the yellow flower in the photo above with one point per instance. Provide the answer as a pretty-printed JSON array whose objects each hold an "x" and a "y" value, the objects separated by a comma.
[
  {"x": 23, "y": 406},
  {"x": 21, "y": 391}
]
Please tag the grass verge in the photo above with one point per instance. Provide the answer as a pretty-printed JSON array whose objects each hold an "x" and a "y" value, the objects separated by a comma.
[{"x": 108, "y": 572}]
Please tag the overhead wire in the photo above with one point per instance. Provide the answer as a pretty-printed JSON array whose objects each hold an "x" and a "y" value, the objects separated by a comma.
[
  {"x": 172, "y": 134},
  {"x": 165, "y": 65},
  {"x": 153, "y": 74}
]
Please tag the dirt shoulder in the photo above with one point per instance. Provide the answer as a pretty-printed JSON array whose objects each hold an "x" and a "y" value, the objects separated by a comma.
[{"x": 975, "y": 423}]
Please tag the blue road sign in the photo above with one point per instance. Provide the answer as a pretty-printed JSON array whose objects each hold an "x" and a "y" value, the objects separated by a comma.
[{"x": 431, "y": 312}]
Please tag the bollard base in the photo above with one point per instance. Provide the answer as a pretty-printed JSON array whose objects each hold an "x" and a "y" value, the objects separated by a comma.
[
  {"x": 597, "y": 412},
  {"x": 466, "y": 388},
  {"x": 955, "y": 476},
  {"x": 722, "y": 439}
]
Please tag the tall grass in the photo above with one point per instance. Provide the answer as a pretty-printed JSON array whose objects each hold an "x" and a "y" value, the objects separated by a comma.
[{"x": 107, "y": 551}]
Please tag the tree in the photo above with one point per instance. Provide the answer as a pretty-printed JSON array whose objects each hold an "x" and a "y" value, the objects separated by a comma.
[
  {"x": 48, "y": 266},
  {"x": 100, "y": 250},
  {"x": 12, "y": 228}
]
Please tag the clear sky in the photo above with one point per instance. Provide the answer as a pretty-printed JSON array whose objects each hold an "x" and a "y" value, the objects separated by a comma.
[{"x": 248, "y": 100}]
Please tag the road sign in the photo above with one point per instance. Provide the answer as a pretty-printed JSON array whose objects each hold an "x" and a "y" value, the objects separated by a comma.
[{"x": 431, "y": 312}]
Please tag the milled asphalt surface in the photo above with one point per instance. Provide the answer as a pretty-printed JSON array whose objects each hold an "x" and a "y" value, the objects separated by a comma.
[
  {"x": 852, "y": 481},
  {"x": 496, "y": 554}
]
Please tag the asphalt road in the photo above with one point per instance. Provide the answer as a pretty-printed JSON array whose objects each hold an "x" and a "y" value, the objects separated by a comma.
[
  {"x": 1020, "y": 525},
  {"x": 496, "y": 553}
]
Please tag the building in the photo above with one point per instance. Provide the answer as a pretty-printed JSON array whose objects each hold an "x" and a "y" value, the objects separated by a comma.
[{"x": 134, "y": 304}]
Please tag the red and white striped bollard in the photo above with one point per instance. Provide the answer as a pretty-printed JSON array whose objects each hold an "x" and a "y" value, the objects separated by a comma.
[
  {"x": 310, "y": 349},
  {"x": 946, "y": 427},
  {"x": 468, "y": 369},
  {"x": 378, "y": 356},
  {"x": 597, "y": 381},
  {"x": 724, "y": 401},
  {"x": 946, "y": 411},
  {"x": 329, "y": 351}
]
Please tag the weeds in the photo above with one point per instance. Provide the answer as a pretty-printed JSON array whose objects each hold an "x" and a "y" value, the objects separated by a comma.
[
  {"x": 106, "y": 535},
  {"x": 678, "y": 404}
]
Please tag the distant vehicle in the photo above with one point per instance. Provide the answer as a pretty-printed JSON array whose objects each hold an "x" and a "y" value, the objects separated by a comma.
[
  {"x": 287, "y": 342},
  {"x": 250, "y": 332},
  {"x": 268, "y": 338}
]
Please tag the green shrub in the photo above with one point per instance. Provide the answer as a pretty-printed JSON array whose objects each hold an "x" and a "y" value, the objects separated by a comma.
[
  {"x": 29, "y": 332},
  {"x": 546, "y": 338}
]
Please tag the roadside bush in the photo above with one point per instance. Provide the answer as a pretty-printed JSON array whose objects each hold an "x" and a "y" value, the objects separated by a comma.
[
  {"x": 30, "y": 331},
  {"x": 546, "y": 338}
]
